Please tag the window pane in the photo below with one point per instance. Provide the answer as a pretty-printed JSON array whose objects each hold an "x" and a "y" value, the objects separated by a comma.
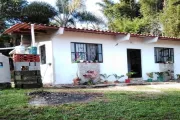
[
  {"x": 86, "y": 51},
  {"x": 92, "y": 52},
  {"x": 164, "y": 54},
  {"x": 80, "y": 48},
  {"x": 100, "y": 58},
  {"x": 73, "y": 57},
  {"x": 99, "y": 48},
  {"x": 43, "y": 54},
  {"x": 72, "y": 47}
]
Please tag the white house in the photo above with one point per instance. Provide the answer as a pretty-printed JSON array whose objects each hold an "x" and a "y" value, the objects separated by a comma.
[{"x": 115, "y": 52}]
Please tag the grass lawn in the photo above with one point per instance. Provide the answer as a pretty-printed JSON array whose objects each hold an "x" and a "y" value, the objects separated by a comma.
[{"x": 114, "y": 106}]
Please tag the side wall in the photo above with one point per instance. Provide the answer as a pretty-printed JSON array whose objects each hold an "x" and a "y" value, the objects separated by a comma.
[{"x": 114, "y": 57}]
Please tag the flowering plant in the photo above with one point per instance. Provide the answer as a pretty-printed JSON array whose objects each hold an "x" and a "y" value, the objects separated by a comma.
[{"x": 91, "y": 75}]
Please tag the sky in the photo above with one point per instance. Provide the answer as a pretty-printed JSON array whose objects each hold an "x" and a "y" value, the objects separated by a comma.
[{"x": 90, "y": 4}]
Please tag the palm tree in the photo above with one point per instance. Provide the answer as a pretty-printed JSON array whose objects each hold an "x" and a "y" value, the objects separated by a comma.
[
  {"x": 71, "y": 12},
  {"x": 38, "y": 12}
]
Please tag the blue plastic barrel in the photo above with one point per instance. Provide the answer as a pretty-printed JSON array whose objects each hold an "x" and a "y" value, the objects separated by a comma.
[{"x": 33, "y": 50}]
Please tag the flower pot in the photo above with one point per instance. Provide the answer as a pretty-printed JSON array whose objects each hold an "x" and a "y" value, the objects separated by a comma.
[
  {"x": 116, "y": 82},
  {"x": 105, "y": 82},
  {"x": 76, "y": 81},
  {"x": 81, "y": 61},
  {"x": 149, "y": 80},
  {"x": 127, "y": 80},
  {"x": 160, "y": 78}
]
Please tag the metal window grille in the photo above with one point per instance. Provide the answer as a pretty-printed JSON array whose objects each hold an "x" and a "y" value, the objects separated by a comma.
[
  {"x": 86, "y": 52},
  {"x": 43, "y": 54},
  {"x": 163, "y": 55}
]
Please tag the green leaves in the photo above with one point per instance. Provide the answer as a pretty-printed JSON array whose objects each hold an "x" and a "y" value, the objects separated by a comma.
[
  {"x": 156, "y": 17},
  {"x": 11, "y": 9},
  {"x": 170, "y": 19},
  {"x": 118, "y": 77},
  {"x": 72, "y": 12},
  {"x": 35, "y": 11},
  {"x": 105, "y": 76}
]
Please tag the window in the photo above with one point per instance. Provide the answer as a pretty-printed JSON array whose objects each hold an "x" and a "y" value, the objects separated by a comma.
[
  {"x": 163, "y": 55},
  {"x": 43, "y": 54},
  {"x": 86, "y": 52}
]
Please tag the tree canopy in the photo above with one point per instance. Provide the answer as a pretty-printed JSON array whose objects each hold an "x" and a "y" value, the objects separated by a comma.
[
  {"x": 11, "y": 10},
  {"x": 71, "y": 12},
  {"x": 157, "y": 17},
  {"x": 170, "y": 19},
  {"x": 38, "y": 12}
]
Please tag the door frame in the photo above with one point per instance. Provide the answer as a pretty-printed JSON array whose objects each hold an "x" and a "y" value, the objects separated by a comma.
[{"x": 129, "y": 61}]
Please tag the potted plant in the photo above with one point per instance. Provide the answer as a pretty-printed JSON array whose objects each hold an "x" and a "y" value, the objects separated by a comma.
[
  {"x": 76, "y": 80},
  {"x": 105, "y": 77},
  {"x": 160, "y": 76},
  {"x": 178, "y": 76},
  {"x": 90, "y": 75},
  {"x": 150, "y": 75},
  {"x": 105, "y": 82},
  {"x": 129, "y": 74},
  {"x": 117, "y": 78}
]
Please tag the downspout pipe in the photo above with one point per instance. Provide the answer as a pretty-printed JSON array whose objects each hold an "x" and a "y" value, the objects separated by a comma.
[{"x": 32, "y": 35}]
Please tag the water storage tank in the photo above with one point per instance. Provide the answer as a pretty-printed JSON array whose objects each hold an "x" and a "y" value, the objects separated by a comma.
[{"x": 5, "y": 76}]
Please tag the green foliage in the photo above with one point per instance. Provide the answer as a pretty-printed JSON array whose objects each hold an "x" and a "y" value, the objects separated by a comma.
[
  {"x": 128, "y": 25},
  {"x": 125, "y": 9},
  {"x": 160, "y": 74},
  {"x": 178, "y": 76},
  {"x": 132, "y": 16},
  {"x": 105, "y": 76},
  {"x": 129, "y": 74},
  {"x": 176, "y": 3},
  {"x": 151, "y": 7},
  {"x": 11, "y": 9},
  {"x": 71, "y": 12},
  {"x": 38, "y": 12},
  {"x": 145, "y": 16},
  {"x": 150, "y": 75},
  {"x": 170, "y": 19},
  {"x": 118, "y": 77}
]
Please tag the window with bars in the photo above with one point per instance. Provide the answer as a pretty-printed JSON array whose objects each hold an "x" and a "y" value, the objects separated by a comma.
[
  {"x": 43, "y": 54},
  {"x": 163, "y": 55},
  {"x": 86, "y": 52}
]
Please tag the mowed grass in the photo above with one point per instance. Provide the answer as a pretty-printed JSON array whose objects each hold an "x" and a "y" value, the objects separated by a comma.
[{"x": 113, "y": 106}]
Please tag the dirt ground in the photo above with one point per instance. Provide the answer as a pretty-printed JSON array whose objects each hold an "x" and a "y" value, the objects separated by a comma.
[
  {"x": 63, "y": 96},
  {"x": 40, "y": 98}
]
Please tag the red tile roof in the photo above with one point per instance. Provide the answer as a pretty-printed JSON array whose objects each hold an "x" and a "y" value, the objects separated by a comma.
[{"x": 25, "y": 28}]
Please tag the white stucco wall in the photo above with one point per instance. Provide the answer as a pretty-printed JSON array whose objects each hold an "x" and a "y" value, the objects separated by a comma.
[
  {"x": 114, "y": 57},
  {"x": 46, "y": 69}
]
